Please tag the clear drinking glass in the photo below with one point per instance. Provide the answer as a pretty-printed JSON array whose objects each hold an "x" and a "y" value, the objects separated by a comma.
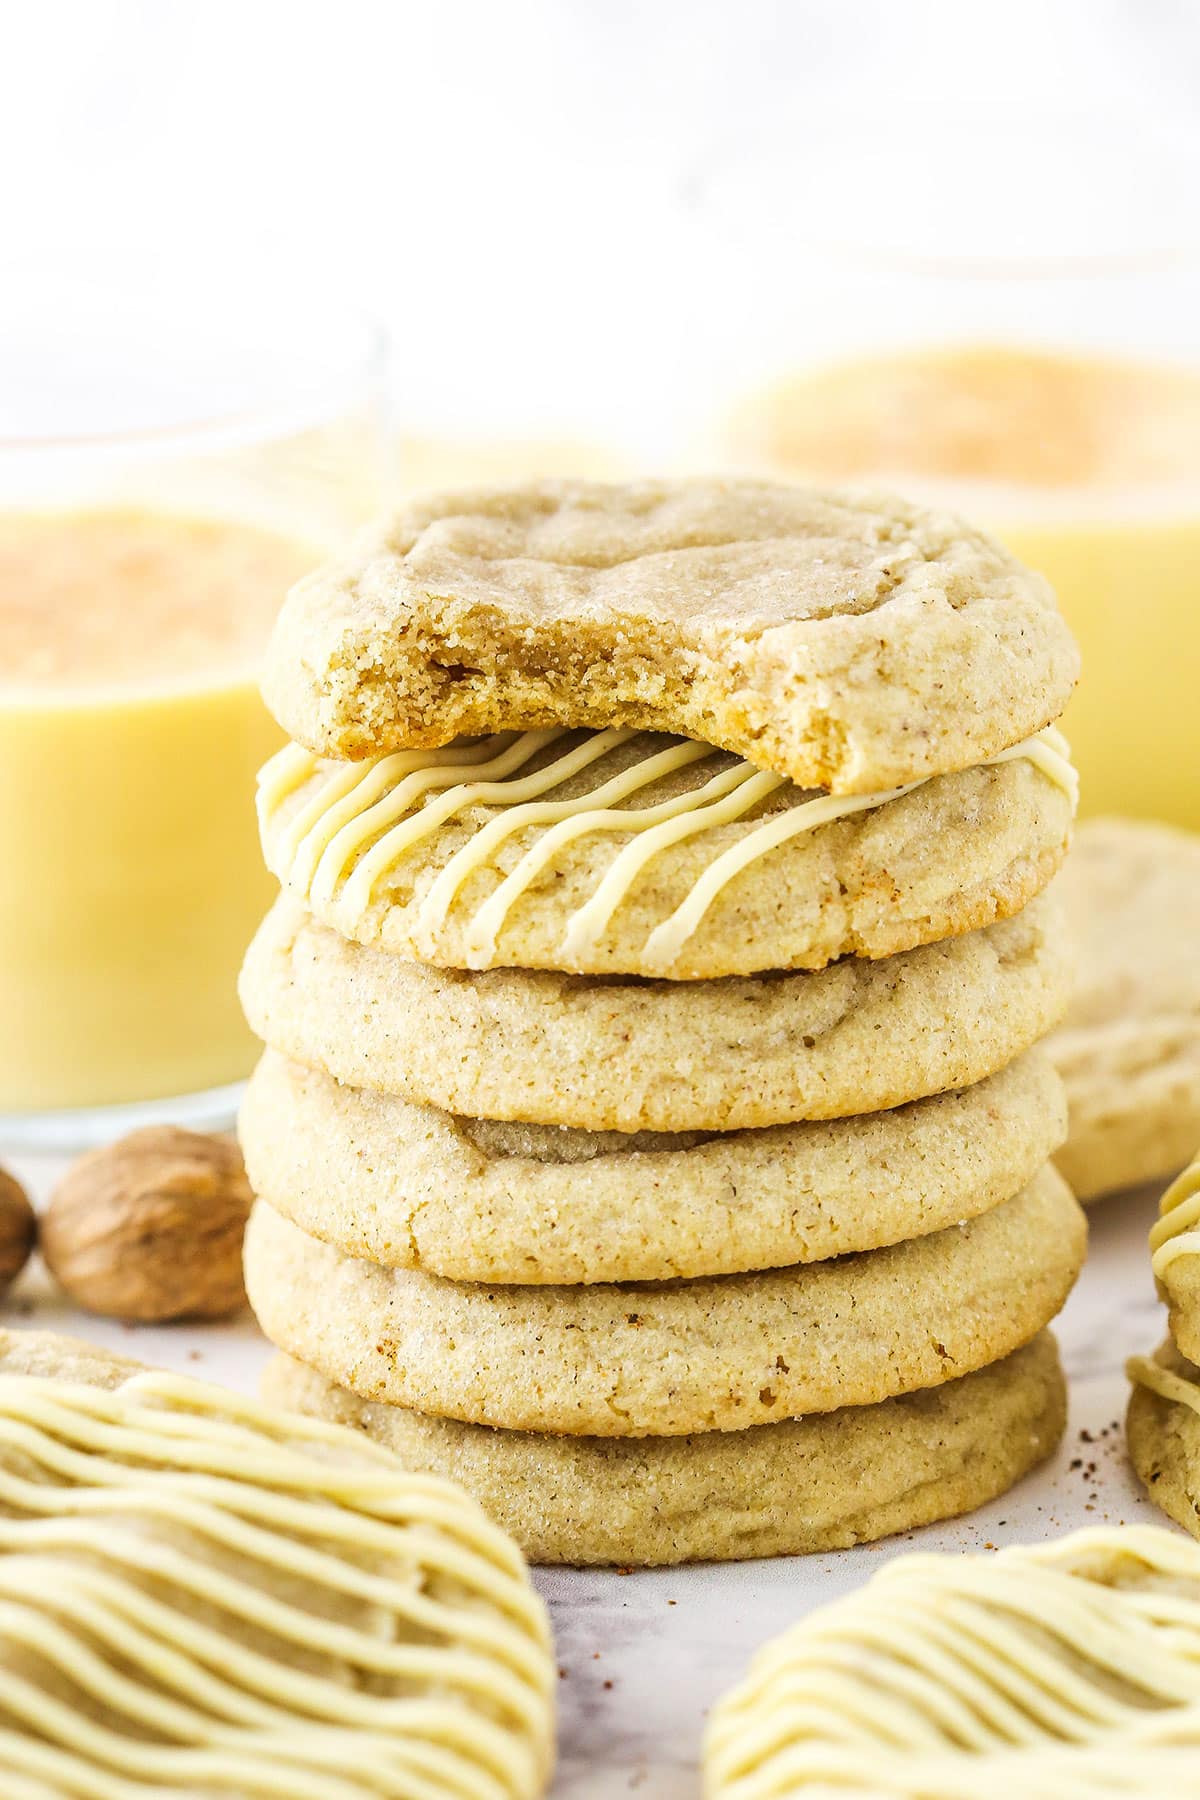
[{"x": 171, "y": 459}]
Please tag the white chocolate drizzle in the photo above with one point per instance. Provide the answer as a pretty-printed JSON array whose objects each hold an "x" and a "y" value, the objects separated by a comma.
[
  {"x": 351, "y": 832},
  {"x": 1176, "y": 1231},
  {"x": 200, "y": 1595},
  {"x": 1063, "y": 1671},
  {"x": 1168, "y": 1384}
]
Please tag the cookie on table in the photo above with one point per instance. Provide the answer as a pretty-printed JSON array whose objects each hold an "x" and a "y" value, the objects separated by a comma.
[
  {"x": 206, "y": 1594},
  {"x": 1162, "y": 1428},
  {"x": 409, "y": 1186},
  {"x": 619, "y": 852},
  {"x": 1129, "y": 1049},
  {"x": 1066, "y": 1668},
  {"x": 847, "y": 643},
  {"x": 821, "y": 1483},
  {"x": 615, "y": 1055},
  {"x": 667, "y": 1359},
  {"x": 1162, "y": 1431},
  {"x": 1175, "y": 1258}
]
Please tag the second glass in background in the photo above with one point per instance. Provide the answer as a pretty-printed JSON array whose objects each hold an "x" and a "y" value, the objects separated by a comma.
[
  {"x": 1020, "y": 342},
  {"x": 170, "y": 463}
]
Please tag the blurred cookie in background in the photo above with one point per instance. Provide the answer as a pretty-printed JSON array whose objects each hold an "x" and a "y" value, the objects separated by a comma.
[{"x": 1129, "y": 1050}]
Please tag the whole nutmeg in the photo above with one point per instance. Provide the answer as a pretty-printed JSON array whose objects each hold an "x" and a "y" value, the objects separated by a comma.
[
  {"x": 18, "y": 1229},
  {"x": 150, "y": 1228}
]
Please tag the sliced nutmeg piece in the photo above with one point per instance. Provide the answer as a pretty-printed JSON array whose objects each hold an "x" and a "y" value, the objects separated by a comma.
[
  {"x": 18, "y": 1229},
  {"x": 150, "y": 1228}
]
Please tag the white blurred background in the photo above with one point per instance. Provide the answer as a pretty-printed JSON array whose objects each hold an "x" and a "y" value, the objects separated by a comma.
[{"x": 575, "y": 215}]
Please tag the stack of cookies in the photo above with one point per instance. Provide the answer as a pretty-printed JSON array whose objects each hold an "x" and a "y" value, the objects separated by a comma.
[{"x": 653, "y": 1132}]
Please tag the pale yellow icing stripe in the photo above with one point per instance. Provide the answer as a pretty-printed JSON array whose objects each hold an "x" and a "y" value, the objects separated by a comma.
[
  {"x": 565, "y": 823},
  {"x": 390, "y": 787},
  {"x": 233, "y": 1601},
  {"x": 361, "y": 883},
  {"x": 1051, "y": 1672},
  {"x": 320, "y": 840},
  {"x": 341, "y": 787},
  {"x": 720, "y": 802},
  {"x": 1168, "y": 1384},
  {"x": 1176, "y": 1232},
  {"x": 667, "y": 940},
  {"x": 351, "y": 834}
]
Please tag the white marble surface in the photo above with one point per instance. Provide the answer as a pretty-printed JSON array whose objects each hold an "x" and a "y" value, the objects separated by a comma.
[{"x": 642, "y": 1656}]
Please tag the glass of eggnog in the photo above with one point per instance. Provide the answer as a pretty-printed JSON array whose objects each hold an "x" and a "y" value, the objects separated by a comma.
[
  {"x": 170, "y": 463},
  {"x": 995, "y": 310}
]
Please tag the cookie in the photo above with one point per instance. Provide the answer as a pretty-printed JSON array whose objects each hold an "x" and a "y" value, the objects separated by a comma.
[
  {"x": 616, "y": 1055},
  {"x": 615, "y": 852},
  {"x": 205, "y": 1594},
  {"x": 481, "y": 1200},
  {"x": 821, "y": 1483},
  {"x": 1162, "y": 1432},
  {"x": 1067, "y": 1668},
  {"x": 1175, "y": 1258},
  {"x": 1129, "y": 1049},
  {"x": 667, "y": 1359},
  {"x": 847, "y": 643}
]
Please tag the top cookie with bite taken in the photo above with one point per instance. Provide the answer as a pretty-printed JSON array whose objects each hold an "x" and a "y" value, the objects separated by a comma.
[{"x": 853, "y": 644}]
